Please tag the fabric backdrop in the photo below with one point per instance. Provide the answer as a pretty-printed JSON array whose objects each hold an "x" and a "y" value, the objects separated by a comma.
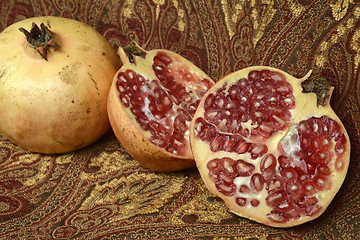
[{"x": 100, "y": 192}]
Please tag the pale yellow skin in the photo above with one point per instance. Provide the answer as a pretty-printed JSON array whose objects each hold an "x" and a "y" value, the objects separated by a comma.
[
  {"x": 58, "y": 105},
  {"x": 305, "y": 107}
]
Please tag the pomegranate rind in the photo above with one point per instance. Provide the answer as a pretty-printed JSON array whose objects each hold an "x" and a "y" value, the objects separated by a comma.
[
  {"x": 59, "y": 104},
  {"x": 128, "y": 131},
  {"x": 306, "y": 107}
]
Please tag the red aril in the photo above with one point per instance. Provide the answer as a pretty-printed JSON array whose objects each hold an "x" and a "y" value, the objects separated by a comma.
[
  {"x": 270, "y": 145},
  {"x": 151, "y": 103}
]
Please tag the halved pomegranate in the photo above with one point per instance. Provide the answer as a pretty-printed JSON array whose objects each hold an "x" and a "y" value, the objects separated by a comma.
[
  {"x": 270, "y": 145},
  {"x": 151, "y": 103}
]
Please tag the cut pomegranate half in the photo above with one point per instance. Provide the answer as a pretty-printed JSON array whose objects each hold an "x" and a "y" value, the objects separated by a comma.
[
  {"x": 151, "y": 103},
  {"x": 272, "y": 149}
]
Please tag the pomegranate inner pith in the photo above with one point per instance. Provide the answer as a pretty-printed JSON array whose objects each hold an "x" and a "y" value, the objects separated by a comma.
[
  {"x": 240, "y": 118},
  {"x": 165, "y": 105}
]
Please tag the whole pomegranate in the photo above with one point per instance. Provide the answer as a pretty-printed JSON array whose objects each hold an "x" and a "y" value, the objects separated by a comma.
[
  {"x": 270, "y": 145},
  {"x": 151, "y": 103},
  {"x": 55, "y": 75}
]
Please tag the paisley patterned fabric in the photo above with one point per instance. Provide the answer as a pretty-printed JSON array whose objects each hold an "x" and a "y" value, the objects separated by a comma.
[{"x": 100, "y": 192}]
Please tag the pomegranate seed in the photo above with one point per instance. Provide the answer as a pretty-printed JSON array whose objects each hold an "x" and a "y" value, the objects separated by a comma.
[
  {"x": 275, "y": 184},
  {"x": 241, "y": 201},
  {"x": 277, "y": 217},
  {"x": 268, "y": 162},
  {"x": 227, "y": 190},
  {"x": 257, "y": 182},
  {"x": 244, "y": 189},
  {"x": 255, "y": 202},
  {"x": 244, "y": 169}
]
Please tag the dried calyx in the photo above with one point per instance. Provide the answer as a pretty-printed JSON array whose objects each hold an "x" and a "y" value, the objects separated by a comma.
[
  {"x": 134, "y": 49},
  {"x": 40, "y": 39},
  {"x": 318, "y": 84}
]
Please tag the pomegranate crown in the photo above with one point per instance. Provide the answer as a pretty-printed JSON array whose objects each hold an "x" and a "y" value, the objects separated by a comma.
[{"x": 40, "y": 39}]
